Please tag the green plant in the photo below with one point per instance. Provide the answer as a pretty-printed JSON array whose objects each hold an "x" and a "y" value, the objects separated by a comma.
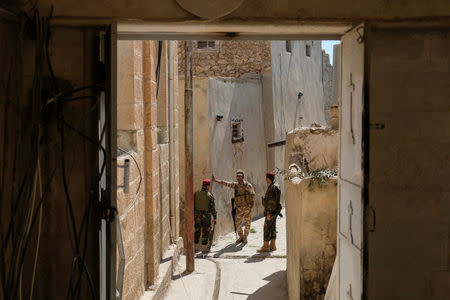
[
  {"x": 320, "y": 175},
  {"x": 252, "y": 230}
]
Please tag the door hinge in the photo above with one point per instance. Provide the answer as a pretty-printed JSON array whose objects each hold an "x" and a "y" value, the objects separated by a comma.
[{"x": 376, "y": 126}]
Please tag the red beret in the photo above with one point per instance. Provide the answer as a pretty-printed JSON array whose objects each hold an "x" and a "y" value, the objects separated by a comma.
[
  {"x": 206, "y": 182},
  {"x": 270, "y": 175}
]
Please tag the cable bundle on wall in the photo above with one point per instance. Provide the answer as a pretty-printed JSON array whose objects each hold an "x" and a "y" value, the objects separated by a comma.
[{"x": 25, "y": 187}]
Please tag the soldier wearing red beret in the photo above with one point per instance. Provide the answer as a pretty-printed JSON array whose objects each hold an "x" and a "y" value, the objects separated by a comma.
[
  {"x": 272, "y": 207},
  {"x": 204, "y": 207}
]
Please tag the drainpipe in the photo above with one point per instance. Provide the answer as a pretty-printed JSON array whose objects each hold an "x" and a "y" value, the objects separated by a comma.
[
  {"x": 171, "y": 141},
  {"x": 189, "y": 159}
]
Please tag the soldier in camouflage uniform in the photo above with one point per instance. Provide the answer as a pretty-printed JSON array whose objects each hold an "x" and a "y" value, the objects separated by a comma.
[
  {"x": 204, "y": 207},
  {"x": 272, "y": 207},
  {"x": 244, "y": 198}
]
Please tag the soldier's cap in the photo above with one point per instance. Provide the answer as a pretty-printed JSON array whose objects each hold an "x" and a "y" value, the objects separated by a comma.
[
  {"x": 270, "y": 175},
  {"x": 206, "y": 181},
  {"x": 240, "y": 172}
]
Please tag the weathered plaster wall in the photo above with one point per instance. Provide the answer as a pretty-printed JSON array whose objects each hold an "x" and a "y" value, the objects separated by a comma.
[
  {"x": 311, "y": 214},
  {"x": 320, "y": 147},
  {"x": 327, "y": 82},
  {"x": 241, "y": 99},
  {"x": 228, "y": 59},
  {"x": 311, "y": 232},
  {"x": 202, "y": 169},
  {"x": 409, "y": 162},
  {"x": 293, "y": 73}
]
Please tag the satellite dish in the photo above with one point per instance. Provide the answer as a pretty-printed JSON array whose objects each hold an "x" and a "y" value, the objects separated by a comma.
[{"x": 210, "y": 9}]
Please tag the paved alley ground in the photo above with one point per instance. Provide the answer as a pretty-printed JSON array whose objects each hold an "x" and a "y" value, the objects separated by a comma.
[{"x": 235, "y": 271}]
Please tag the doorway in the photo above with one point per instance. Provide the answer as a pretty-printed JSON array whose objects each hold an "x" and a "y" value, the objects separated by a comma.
[{"x": 350, "y": 224}]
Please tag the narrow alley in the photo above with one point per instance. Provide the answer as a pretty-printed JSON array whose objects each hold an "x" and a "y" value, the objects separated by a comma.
[{"x": 235, "y": 271}]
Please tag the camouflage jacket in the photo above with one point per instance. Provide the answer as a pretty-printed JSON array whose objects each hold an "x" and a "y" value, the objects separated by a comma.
[
  {"x": 244, "y": 193},
  {"x": 204, "y": 203},
  {"x": 271, "y": 200}
]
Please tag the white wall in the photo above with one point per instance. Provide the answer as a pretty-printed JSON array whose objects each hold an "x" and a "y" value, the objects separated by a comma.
[
  {"x": 292, "y": 73},
  {"x": 236, "y": 98}
]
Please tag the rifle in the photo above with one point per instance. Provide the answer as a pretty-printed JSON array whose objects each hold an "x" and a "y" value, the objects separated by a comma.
[
  {"x": 233, "y": 214},
  {"x": 211, "y": 235}
]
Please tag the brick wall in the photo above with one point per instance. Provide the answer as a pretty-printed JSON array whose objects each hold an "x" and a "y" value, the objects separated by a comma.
[{"x": 228, "y": 59}]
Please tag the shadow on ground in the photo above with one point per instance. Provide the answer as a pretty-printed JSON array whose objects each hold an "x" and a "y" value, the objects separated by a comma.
[
  {"x": 257, "y": 258},
  {"x": 276, "y": 288},
  {"x": 229, "y": 249}
]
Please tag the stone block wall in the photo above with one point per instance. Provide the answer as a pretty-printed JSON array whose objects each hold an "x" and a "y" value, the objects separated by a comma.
[
  {"x": 228, "y": 59},
  {"x": 148, "y": 216},
  {"x": 130, "y": 132}
]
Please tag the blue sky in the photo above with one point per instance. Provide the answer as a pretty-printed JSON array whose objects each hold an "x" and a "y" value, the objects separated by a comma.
[{"x": 328, "y": 47}]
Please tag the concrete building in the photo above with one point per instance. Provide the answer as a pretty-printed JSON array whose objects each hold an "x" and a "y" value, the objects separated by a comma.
[{"x": 393, "y": 122}]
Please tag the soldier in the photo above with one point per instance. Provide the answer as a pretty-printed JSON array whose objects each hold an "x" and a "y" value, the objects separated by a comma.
[
  {"x": 204, "y": 207},
  {"x": 244, "y": 197},
  {"x": 272, "y": 207}
]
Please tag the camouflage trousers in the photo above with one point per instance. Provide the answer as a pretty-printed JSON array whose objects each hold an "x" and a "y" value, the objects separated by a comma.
[
  {"x": 270, "y": 228},
  {"x": 243, "y": 215},
  {"x": 202, "y": 227}
]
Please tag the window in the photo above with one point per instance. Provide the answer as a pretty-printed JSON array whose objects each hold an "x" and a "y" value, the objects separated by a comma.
[
  {"x": 308, "y": 49},
  {"x": 237, "y": 132},
  {"x": 211, "y": 45},
  {"x": 288, "y": 46}
]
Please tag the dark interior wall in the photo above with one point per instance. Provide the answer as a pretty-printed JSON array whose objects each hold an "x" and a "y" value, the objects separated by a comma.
[
  {"x": 31, "y": 131},
  {"x": 409, "y": 92}
]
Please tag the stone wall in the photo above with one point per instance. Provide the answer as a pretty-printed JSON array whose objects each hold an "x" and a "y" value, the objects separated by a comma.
[
  {"x": 228, "y": 59},
  {"x": 130, "y": 133},
  {"x": 149, "y": 218}
]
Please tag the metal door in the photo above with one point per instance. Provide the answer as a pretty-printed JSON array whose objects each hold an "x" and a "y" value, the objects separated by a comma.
[
  {"x": 108, "y": 182},
  {"x": 351, "y": 208}
]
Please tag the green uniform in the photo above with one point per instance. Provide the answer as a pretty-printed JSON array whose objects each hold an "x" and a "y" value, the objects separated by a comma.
[
  {"x": 204, "y": 207},
  {"x": 272, "y": 206}
]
